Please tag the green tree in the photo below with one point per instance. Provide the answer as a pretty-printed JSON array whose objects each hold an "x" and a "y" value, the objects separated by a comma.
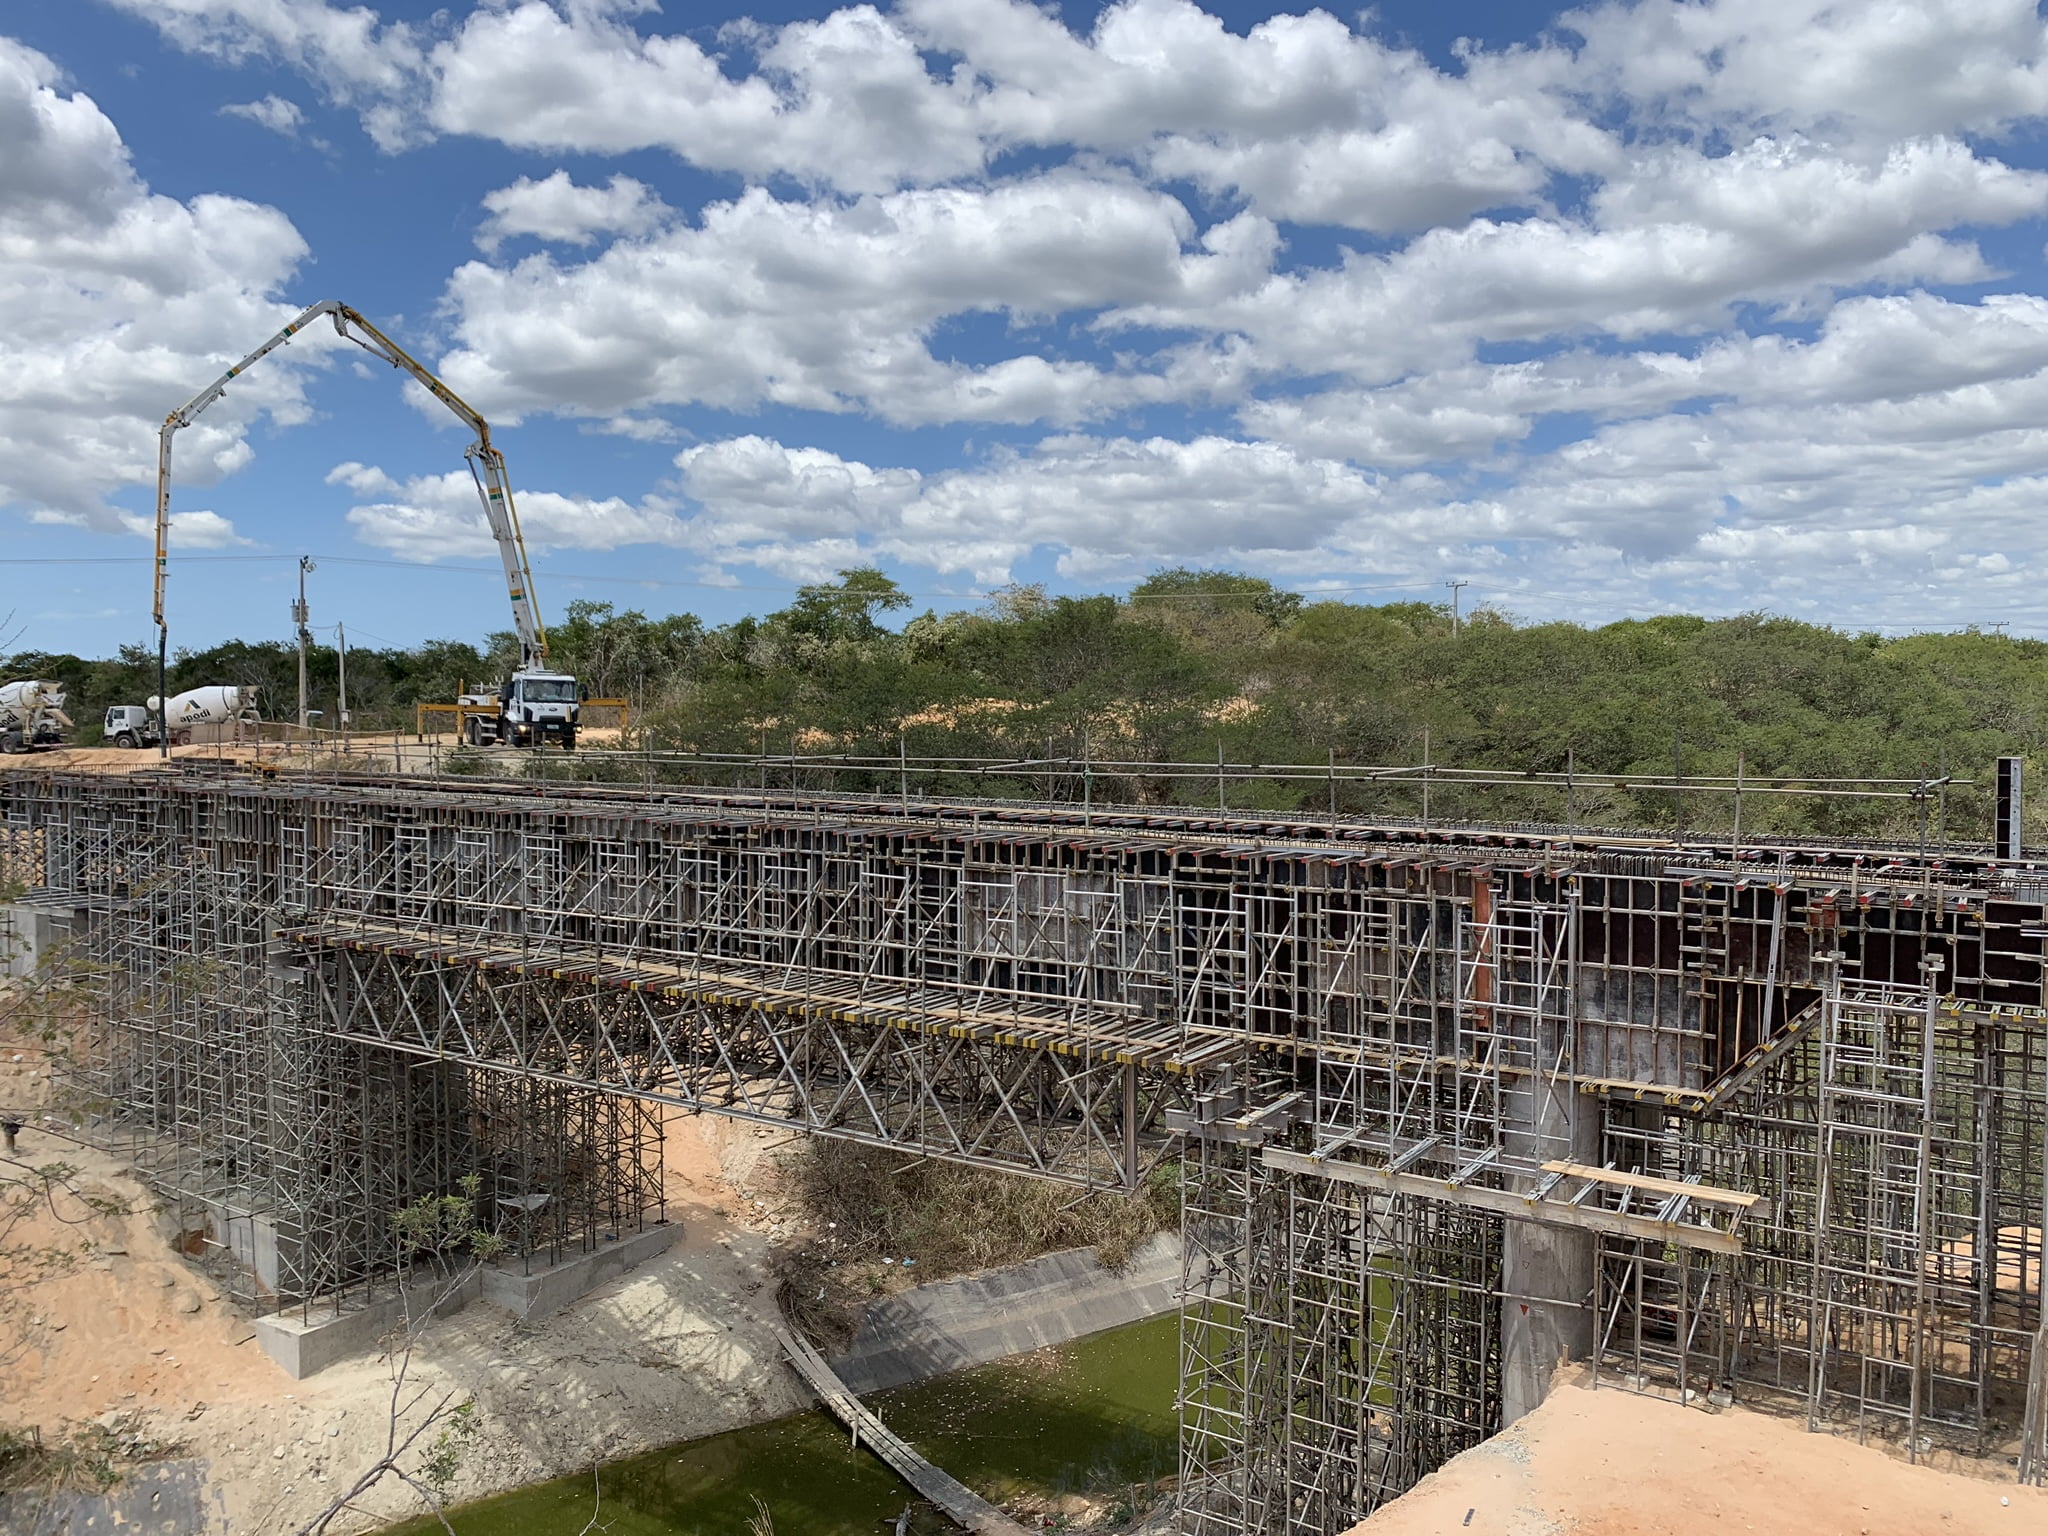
[
  {"x": 845, "y": 609},
  {"x": 623, "y": 655}
]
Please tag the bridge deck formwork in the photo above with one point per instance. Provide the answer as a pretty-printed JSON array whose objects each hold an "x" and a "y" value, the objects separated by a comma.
[{"x": 1445, "y": 1104}]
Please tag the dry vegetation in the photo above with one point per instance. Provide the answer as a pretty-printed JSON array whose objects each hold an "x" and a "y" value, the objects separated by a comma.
[
  {"x": 873, "y": 1222},
  {"x": 78, "y": 1457}
]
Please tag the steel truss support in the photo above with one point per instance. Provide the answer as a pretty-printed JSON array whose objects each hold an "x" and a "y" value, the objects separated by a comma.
[{"x": 974, "y": 1092}]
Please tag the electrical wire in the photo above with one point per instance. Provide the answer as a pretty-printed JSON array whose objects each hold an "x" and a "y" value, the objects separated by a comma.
[{"x": 655, "y": 581}]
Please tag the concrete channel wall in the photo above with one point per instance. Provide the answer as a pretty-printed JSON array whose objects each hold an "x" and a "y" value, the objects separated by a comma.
[
  {"x": 949, "y": 1324},
  {"x": 155, "y": 1498},
  {"x": 921, "y": 1333}
]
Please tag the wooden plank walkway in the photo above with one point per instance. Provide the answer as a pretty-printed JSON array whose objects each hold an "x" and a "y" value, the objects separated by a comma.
[{"x": 961, "y": 1504}]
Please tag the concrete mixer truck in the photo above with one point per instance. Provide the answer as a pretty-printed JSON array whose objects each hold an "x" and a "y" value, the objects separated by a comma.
[
  {"x": 32, "y": 715},
  {"x": 219, "y": 704}
]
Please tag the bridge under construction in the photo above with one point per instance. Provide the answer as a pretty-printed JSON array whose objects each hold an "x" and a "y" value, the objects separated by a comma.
[{"x": 1753, "y": 1119}]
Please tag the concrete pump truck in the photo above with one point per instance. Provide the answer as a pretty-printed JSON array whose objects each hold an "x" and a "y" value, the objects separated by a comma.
[{"x": 533, "y": 705}]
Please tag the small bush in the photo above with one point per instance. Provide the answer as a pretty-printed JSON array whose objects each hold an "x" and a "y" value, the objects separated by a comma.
[
  {"x": 863, "y": 1205},
  {"x": 588, "y": 766},
  {"x": 470, "y": 763}
]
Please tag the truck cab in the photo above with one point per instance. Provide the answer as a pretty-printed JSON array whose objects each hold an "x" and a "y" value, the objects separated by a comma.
[
  {"x": 538, "y": 707},
  {"x": 533, "y": 708},
  {"x": 129, "y": 725}
]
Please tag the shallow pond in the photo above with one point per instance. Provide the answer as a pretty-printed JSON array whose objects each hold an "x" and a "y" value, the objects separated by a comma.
[{"x": 1096, "y": 1414}]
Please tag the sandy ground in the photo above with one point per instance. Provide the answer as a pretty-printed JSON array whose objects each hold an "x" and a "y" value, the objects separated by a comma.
[
  {"x": 368, "y": 750},
  {"x": 112, "y": 759},
  {"x": 1609, "y": 1463},
  {"x": 680, "y": 1347}
]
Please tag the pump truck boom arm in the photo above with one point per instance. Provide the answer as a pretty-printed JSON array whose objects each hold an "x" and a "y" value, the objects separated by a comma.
[{"x": 486, "y": 465}]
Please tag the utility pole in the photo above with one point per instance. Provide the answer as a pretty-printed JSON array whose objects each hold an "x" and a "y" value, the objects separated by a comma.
[
  {"x": 341, "y": 659},
  {"x": 299, "y": 617},
  {"x": 1455, "y": 622}
]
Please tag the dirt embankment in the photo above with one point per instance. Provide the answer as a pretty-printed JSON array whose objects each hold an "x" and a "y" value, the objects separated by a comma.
[
  {"x": 682, "y": 1346},
  {"x": 1609, "y": 1463}
]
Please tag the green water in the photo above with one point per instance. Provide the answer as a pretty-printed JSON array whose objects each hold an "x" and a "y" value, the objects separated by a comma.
[{"x": 1093, "y": 1414}]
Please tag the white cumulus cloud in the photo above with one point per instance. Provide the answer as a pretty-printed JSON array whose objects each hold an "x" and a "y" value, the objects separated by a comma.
[
  {"x": 190, "y": 530},
  {"x": 348, "y": 51},
  {"x": 436, "y": 517},
  {"x": 1108, "y": 506},
  {"x": 556, "y": 209},
  {"x": 117, "y": 304},
  {"x": 273, "y": 112},
  {"x": 1683, "y": 300},
  {"x": 834, "y": 306}
]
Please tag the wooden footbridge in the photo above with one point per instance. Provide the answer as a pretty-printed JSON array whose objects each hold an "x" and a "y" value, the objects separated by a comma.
[{"x": 960, "y": 1504}]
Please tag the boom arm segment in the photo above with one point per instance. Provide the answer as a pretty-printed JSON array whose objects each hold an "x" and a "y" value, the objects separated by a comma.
[{"x": 487, "y": 465}]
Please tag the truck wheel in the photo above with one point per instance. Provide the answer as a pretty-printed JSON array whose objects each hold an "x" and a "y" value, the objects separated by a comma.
[
  {"x": 125, "y": 739},
  {"x": 469, "y": 732},
  {"x": 569, "y": 738},
  {"x": 11, "y": 742}
]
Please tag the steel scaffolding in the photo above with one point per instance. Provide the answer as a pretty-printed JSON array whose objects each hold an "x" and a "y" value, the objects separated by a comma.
[{"x": 1757, "y": 1119}]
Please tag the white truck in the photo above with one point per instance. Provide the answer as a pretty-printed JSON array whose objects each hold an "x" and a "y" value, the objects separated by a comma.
[
  {"x": 128, "y": 725},
  {"x": 32, "y": 715},
  {"x": 531, "y": 708},
  {"x": 133, "y": 725},
  {"x": 535, "y": 704}
]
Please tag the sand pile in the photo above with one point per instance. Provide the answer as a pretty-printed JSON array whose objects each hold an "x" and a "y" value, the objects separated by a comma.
[{"x": 1609, "y": 1463}]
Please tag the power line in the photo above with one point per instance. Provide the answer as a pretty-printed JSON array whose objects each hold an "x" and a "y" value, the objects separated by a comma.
[{"x": 656, "y": 581}]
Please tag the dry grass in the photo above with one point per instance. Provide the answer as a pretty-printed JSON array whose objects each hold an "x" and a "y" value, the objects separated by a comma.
[
  {"x": 862, "y": 1206},
  {"x": 83, "y": 1456}
]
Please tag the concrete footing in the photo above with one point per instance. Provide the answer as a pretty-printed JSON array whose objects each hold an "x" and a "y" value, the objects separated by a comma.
[
  {"x": 32, "y": 934},
  {"x": 305, "y": 1344},
  {"x": 543, "y": 1290}
]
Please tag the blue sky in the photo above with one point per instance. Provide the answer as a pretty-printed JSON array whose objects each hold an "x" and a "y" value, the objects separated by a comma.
[{"x": 1714, "y": 306}]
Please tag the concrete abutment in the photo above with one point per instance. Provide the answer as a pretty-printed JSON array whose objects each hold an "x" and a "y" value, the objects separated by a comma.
[{"x": 306, "y": 1341}]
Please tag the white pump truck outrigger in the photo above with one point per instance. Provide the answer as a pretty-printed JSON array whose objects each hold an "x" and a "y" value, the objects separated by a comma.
[{"x": 534, "y": 704}]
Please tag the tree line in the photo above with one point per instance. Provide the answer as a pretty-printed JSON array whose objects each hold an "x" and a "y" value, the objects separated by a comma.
[{"x": 1193, "y": 664}]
